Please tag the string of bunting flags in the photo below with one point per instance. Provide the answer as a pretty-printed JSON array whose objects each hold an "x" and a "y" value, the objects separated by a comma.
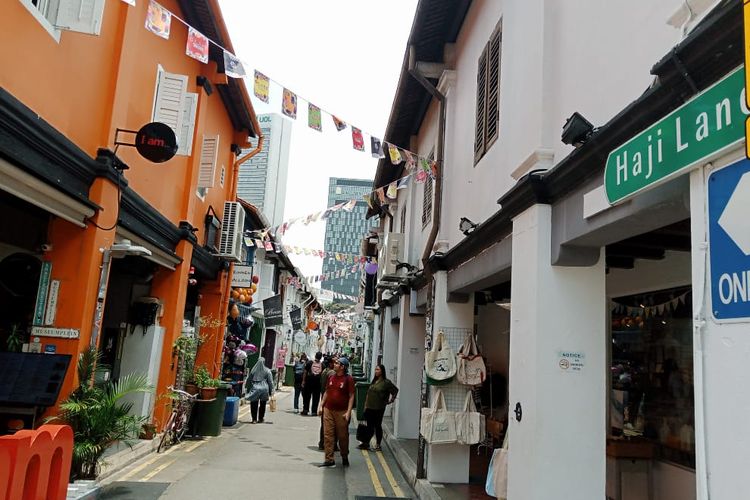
[
  {"x": 341, "y": 273},
  {"x": 338, "y": 256},
  {"x": 159, "y": 22},
  {"x": 296, "y": 283},
  {"x": 651, "y": 309}
]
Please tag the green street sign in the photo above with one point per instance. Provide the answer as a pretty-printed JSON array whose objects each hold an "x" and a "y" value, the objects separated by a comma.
[{"x": 700, "y": 129}]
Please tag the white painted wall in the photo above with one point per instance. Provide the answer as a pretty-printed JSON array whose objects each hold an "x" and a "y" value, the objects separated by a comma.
[
  {"x": 721, "y": 357},
  {"x": 410, "y": 365},
  {"x": 561, "y": 437}
]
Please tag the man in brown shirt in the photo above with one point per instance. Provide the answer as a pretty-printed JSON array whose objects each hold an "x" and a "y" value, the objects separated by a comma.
[{"x": 336, "y": 409}]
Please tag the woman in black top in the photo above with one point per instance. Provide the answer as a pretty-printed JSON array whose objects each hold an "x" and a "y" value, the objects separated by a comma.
[{"x": 381, "y": 393}]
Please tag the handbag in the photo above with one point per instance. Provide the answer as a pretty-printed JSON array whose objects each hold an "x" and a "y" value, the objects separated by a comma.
[
  {"x": 470, "y": 424},
  {"x": 364, "y": 432},
  {"x": 437, "y": 424},
  {"x": 440, "y": 362},
  {"x": 272, "y": 403},
  {"x": 496, "y": 484},
  {"x": 471, "y": 369}
]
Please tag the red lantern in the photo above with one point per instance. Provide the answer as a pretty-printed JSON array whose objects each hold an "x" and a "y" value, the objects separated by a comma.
[{"x": 256, "y": 279}]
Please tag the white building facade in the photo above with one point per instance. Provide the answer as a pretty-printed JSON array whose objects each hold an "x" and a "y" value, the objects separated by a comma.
[{"x": 556, "y": 272}]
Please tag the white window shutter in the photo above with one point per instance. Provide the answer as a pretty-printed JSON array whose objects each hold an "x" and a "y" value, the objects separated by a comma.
[
  {"x": 207, "y": 170},
  {"x": 185, "y": 137},
  {"x": 82, "y": 16},
  {"x": 170, "y": 100}
]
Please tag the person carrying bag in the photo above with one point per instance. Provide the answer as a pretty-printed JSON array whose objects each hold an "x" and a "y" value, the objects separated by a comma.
[
  {"x": 470, "y": 424},
  {"x": 471, "y": 369},
  {"x": 440, "y": 362},
  {"x": 437, "y": 424}
]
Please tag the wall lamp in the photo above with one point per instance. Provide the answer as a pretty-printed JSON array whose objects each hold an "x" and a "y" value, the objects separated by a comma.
[
  {"x": 466, "y": 226},
  {"x": 576, "y": 130}
]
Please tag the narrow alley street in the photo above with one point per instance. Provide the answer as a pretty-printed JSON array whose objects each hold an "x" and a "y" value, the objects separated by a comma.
[{"x": 275, "y": 460}]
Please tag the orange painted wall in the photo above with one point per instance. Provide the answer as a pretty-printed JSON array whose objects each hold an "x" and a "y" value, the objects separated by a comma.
[{"x": 86, "y": 87}]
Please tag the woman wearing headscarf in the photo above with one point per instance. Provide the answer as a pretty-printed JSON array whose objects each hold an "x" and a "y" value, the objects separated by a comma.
[{"x": 261, "y": 388}]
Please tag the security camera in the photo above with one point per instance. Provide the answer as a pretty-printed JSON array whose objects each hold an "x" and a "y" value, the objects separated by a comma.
[{"x": 46, "y": 247}]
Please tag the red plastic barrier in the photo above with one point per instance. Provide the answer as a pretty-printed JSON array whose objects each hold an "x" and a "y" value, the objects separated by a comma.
[{"x": 35, "y": 465}]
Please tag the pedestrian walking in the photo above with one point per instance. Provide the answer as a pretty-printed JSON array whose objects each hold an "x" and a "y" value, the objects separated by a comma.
[
  {"x": 328, "y": 361},
  {"x": 311, "y": 385},
  {"x": 336, "y": 409},
  {"x": 261, "y": 389},
  {"x": 299, "y": 370},
  {"x": 380, "y": 394},
  {"x": 280, "y": 366}
]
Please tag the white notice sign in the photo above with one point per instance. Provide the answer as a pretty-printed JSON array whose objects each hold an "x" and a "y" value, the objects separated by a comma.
[
  {"x": 242, "y": 276},
  {"x": 62, "y": 333},
  {"x": 571, "y": 361}
]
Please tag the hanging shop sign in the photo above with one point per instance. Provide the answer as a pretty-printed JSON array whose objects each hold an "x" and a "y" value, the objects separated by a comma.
[
  {"x": 272, "y": 311},
  {"x": 296, "y": 316},
  {"x": 242, "y": 276},
  {"x": 156, "y": 142},
  {"x": 300, "y": 337},
  {"x": 54, "y": 290},
  {"x": 696, "y": 132},
  {"x": 729, "y": 242},
  {"x": 41, "y": 293}
]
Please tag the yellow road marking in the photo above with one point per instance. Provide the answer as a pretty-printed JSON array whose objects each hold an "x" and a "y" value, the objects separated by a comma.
[
  {"x": 373, "y": 475},
  {"x": 194, "y": 446},
  {"x": 157, "y": 470},
  {"x": 389, "y": 475},
  {"x": 145, "y": 464}
]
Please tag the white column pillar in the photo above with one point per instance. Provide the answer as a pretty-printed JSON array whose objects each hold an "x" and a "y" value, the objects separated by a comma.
[
  {"x": 449, "y": 463},
  {"x": 410, "y": 364},
  {"x": 721, "y": 356},
  {"x": 557, "y": 450}
]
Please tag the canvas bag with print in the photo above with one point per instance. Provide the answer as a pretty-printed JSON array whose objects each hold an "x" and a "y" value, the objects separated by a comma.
[
  {"x": 470, "y": 424},
  {"x": 471, "y": 369},
  {"x": 437, "y": 424},
  {"x": 440, "y": 362}
]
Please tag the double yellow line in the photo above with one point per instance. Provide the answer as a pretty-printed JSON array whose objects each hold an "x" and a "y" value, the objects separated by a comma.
[{"x": 379, "y": 491}]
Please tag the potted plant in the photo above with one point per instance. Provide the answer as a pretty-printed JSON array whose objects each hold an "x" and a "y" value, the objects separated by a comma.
[
  {"x": 206, "y": 383},
  {"x": 98, "y": 414},
  {"x": 148, "y": 431}
]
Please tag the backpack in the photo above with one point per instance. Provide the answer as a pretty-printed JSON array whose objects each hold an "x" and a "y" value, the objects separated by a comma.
[
  {"x": 299, "y": 368},
  {"x": 316, "y": 368}
]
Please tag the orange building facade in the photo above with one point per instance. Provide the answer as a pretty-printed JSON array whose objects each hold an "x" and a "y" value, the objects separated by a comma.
[{"x": 71, "y": 199}]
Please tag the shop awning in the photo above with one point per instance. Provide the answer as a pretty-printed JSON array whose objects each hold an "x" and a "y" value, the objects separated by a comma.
[
  {"x": 29, "y": 188},
  {"x": 159, "y": 256}
]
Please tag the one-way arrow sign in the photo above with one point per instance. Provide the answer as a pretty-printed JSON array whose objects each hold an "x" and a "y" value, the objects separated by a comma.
[{"x": 729, "y": 241}]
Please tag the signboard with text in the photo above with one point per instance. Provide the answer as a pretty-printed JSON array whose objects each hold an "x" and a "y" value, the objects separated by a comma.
[
  {"x": 242, "y": 276},
  {"x": 272, "y": 311},
  {"x": 699, "y": 130},
  {"x": 729, "y": 241}
]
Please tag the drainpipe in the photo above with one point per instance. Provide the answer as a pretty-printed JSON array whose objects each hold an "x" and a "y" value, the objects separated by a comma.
[{"x": 439, "y": 158}]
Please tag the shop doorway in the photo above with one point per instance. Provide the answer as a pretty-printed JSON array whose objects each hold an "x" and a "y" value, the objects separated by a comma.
[
  {"x": 651, "y": 439},
  {"x": 23, "y": 232}
]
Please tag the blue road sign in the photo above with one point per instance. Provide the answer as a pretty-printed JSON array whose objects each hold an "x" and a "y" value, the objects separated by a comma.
[{"x": 729, "y": 241}]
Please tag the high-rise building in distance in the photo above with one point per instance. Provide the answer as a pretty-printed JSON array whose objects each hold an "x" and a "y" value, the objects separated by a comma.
[
  {"x": 262, "y": 180},
  {"x": 344, "y": 232}
]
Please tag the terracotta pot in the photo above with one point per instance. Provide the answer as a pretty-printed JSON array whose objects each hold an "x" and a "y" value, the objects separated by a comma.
[
  {"x": 208, "y": 392},
  {"x": 192, "y": 389}
]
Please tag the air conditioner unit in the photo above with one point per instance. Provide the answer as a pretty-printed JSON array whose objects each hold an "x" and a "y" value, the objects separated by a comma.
[
  {"x": 391, "y": 253},
  {"x": 232, "y": 226}
]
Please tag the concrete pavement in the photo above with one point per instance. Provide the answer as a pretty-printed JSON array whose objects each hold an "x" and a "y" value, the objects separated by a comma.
[{"x": 274, "y": 460}]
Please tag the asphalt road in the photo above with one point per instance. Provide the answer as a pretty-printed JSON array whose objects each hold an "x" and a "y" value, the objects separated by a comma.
[{"x": 275, "y": 460}]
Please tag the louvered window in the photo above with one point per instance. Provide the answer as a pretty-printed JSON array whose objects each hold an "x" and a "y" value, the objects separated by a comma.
[
  {"x": 427, "y": 199},
  {"x": 488, "y": 96},
  {"x": 207, "y": 169},
  {"x": 176, "y": 107}
]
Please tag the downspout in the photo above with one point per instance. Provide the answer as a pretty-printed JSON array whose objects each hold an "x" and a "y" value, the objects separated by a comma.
[{"x": 438, "y": 195}]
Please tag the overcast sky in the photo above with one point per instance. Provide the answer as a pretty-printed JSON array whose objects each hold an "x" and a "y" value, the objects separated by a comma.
[{"x": 345, "y": 57}]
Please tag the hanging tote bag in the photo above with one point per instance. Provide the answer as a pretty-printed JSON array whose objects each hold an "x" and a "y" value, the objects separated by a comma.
[
  {"x": 470, "y": 424},
  {"x": 471, "y": 369},
  {"x": 437, "y": 424},
  {"x": 440, "y": 362},
  {"x": 497, "y": 473},
  {"x": 272, "y": 403}
]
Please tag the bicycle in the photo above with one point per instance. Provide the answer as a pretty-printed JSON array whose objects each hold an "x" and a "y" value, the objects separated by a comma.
[{"x": 178, "y": 419}]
